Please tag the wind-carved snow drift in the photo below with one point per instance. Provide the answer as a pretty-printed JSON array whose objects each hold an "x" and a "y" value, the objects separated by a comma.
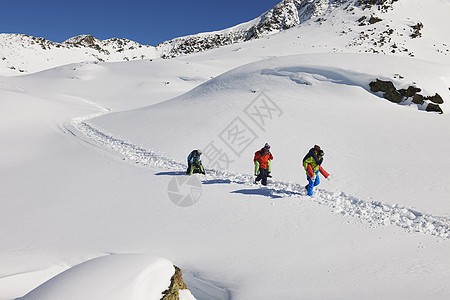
[{"x": 116, "y": 276}]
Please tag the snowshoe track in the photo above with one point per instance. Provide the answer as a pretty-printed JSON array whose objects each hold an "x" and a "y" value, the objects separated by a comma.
[{"x": 373, "y": 212}]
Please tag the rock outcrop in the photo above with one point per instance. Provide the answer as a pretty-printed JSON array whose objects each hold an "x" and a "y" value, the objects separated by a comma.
[
  {"x": 283, "y": 16},
  {"x": 411, "y": 93},
  {"x": 176, "y": 284}
]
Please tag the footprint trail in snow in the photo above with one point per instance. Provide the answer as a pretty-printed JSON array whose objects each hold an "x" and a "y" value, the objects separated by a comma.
[{"x": 372, "y": 212}]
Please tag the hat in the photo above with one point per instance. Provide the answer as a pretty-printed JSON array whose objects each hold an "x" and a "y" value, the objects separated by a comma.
[
  {"x": 267, "y": 146},
  {"x": 317, "y": 147}
]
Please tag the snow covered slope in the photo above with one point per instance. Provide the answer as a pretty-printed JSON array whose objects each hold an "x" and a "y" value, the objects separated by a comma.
[
  {"x": 93, "y": 151},
  {"x": 289, "y": 101},
  {"x": 126, "y": 276},
  {"x": 21, "y": 53},
  {"x": 405, "y": 28}
]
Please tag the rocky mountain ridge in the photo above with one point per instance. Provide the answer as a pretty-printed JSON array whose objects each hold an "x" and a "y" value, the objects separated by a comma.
[
  {"x": 285, "y": 15},
  {"x": 362, "y": 24},
  {"x": 20, "y": 53}
]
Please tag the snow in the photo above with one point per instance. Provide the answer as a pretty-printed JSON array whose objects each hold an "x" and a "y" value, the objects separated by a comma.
[
  {"x": 22, "y": 54},
  {"x": 306, "y": 94},
  {"x": 124, "y": 276},
  {"x": 89, "y": 150}
]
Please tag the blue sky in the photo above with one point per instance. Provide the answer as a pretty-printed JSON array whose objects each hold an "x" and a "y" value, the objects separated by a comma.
[{"x": 147, "y": 22}]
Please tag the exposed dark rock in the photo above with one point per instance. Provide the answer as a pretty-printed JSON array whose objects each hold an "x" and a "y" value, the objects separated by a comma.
[
  {"x": 374, "y": 20},
  {"x": 380, "y": 85},
  {"x": 418, "y": 99},
  {"x": 361, "y": 21},
  {"x": 410, "y": 92},
  {"x": 434, "y": 108},
  {"x": 397, "y": 96},
  {"x": 389, "y": 91},
  {"x": 416, "y": 30},
  {"x": 176, "y": 284},
  {"x": 86, "y": 41},
  {"x": 393, "y": 96},
  {"x": 383, "y": 4},
  {"x": 435, "y": 99}
]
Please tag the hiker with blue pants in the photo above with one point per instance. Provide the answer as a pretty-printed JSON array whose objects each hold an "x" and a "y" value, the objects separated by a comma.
[{"x": 312, "y": 164}]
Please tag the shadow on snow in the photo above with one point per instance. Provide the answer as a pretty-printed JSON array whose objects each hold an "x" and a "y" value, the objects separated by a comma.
[
  {"x": 217, "y": 181},
  {"x": 173, "y": 173},
  {"x": 258, "y": 191}
]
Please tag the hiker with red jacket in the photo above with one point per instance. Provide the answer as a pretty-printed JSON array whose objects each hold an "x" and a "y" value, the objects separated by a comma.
[
  {"x": 262, "y": 162},
  {"x": 312, "y": 163}
]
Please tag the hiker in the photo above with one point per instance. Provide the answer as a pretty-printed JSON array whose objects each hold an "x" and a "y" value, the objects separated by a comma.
[
  {"x": 194, "y": 163},
  {"x": 312, "y": 163},
  {"x": 262, "y": 162}
]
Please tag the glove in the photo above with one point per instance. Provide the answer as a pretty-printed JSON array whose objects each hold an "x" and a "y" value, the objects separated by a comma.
[
  {"x": 313, "y": 178},
  {"x": 330, "y": 177}
]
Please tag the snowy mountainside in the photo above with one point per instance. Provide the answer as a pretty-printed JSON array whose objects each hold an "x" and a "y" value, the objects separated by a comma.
[
  {"x": 109, "y": 46},
  {"x": 318, "y": 97},
  {"x": 395, "y": 27},
  {"x": 340, "y": 16},
  {"x": 21, "y": 53},
  {"x": 99, "y": 185},
  {"x": 283, "y": 16},
  {"x": 240, "y": 240}
]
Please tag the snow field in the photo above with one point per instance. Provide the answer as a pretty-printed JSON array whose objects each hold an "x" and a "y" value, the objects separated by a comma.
[
  {"x": 372, "y": 212},
  {"x": 126, "y": 276},
  {"x": 319, "y": 101},
  {"x": 223, "y": 239},
  {"x": 64, "y": 199}
]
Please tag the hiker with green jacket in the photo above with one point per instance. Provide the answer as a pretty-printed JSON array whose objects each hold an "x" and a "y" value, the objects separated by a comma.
[{"x": 312, "y": 163}]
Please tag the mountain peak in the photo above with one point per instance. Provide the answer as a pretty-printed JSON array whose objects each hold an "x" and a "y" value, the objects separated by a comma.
[
  {"x": 284, "y": 15},
  {"x": 375, "y": 26},
  {"x": 82, "y": 40}
]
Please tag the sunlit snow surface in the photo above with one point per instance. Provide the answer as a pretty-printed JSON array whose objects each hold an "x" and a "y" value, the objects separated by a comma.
[{"x": 89, "y": 150}]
